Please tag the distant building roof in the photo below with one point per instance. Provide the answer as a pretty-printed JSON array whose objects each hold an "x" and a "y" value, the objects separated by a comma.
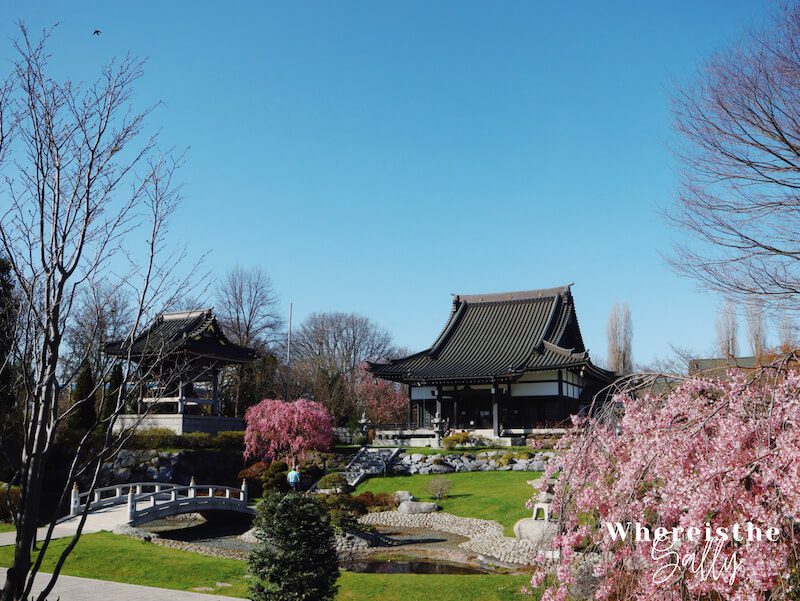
[
  {"x": 194, "y": 333},
  {"x": 719, "y": 366},
  {"x": 498, "y": 337}
]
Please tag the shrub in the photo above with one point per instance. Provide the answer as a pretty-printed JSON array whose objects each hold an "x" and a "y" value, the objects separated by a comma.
[
  {"x": 503, "y": 460},
  {"x": 295, "y": 557},
  {"x": 460, "y": 439},
  {"x": 439, "y": 487},
  {"x": 196, "y": 440},
  {"x": 335, "y": 481},
  {"x": 9, "y": 502},
  {"x": 345, "y": 511},
  {"x": 154, "y": 438},
  {"x": 229, "y": 440},
  {"x": 382, "y": 501},
  {"x": 255, "y": 471},
  {"x": 274, "y": 478}
]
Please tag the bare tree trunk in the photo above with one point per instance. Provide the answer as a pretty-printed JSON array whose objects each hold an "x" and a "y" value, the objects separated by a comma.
[
  {"x": 620, "y": 339},
  {"x": 727, "y": 331},
  {"x": 80, "y": 191}
]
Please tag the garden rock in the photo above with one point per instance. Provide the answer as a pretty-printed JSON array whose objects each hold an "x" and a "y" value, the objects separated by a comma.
[
  {"x": 417, "y": 507},
  {"x": 403, "y": 495}
]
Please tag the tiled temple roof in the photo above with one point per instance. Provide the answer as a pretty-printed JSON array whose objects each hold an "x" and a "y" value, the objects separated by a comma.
[
  {"x": 498, "y": 337},
  {"x": 194, "y": 333}
]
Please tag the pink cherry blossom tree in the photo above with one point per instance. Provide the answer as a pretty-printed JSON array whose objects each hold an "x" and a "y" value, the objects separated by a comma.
[
  {"x": 276, "y": 429},
  {"x": 384, "y": 401},
  {"x": 708, "y": 453}
]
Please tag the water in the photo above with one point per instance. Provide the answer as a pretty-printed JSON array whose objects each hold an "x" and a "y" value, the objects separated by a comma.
[
  {"x": 410, "y": 567},
  {"x": 220, "y": 534}
]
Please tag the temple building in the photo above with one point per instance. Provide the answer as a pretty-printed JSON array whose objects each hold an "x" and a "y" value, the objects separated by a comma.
[
  {"x": 505, "y": 364},
  {"x": 180, "y": 358}
]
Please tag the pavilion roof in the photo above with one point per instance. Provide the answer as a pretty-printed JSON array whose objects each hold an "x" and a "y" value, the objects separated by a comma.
[
  {"x": 498, "y": 337},
  {"x": 193, "y": 333}
]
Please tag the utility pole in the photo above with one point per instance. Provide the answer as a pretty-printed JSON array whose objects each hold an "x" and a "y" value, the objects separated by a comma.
[{"x": 288, "y": 356}]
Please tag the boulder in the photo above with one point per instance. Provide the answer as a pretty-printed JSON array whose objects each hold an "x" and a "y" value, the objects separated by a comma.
[
  {"x": 417, "y": 457},
  {"x": 403, "y": 495},
  {"x": 417, "y": 507},
  {"x": 126, "y": 458},
  {"x": 249, "y": 536},
  {"x": 537, "y": 531},
  {"x": 441, "y": 468}
]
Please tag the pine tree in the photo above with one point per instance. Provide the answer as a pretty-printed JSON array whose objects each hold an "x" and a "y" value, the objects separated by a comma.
[
  {"x": 115, "y": 388},
  {"x": 85, "y": 415},
  {"x": 295, "y": 558}
]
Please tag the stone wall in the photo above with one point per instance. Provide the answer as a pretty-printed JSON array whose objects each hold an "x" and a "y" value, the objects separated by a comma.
[
  {"x": 417, "y": 463},
  {"x": 207, "y": 466}
]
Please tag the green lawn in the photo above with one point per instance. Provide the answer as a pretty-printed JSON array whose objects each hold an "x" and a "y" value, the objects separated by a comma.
[
  {"x": 405, "y": 587},
  {"x": 111, "y": 557},
  {"x": 6, "y": 527},
  {"x": 496, "y": 496}
]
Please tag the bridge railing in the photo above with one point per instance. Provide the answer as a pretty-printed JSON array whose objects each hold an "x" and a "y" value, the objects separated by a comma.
[{"x": 155, "y": 494}]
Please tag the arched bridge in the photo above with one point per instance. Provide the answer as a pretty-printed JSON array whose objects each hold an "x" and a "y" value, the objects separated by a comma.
[{"x": 142, "y": 502}]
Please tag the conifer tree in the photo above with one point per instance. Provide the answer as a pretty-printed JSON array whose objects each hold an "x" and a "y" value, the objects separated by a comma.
[
  {"x": 295, "y": 558},
  {"x": 114, "y": 389},
  {"x": 85, "y": 414}
]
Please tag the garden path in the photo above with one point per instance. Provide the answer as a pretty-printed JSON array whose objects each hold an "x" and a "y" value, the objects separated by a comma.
[
  {"x": 71, "y": 588},
  {"x": 102, "y": 519}
]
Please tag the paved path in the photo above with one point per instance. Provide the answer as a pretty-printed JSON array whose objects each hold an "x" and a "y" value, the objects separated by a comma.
[
  {"x": 103, "y": 519},
  {"x": 70, "y": 588}
]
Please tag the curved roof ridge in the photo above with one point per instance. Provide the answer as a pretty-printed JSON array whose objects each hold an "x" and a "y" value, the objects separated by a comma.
[{"x": 513, "y": 296}]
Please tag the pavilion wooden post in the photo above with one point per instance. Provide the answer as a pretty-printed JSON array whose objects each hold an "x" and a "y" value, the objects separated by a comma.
[
  {"x": 456, "y": 416},
  {"x": 410, "y": 409},
  {"x": 495, "y": 409},
  {"x": 215, "y": 393}
]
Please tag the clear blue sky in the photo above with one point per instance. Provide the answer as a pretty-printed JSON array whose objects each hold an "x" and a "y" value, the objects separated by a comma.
[{"x": 376, "y": 157}]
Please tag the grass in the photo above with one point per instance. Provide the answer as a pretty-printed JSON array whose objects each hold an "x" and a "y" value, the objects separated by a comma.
[
  {"x": 6, "y": 527},
  {"x": 445, "y": 587},
  {"x": 492, "y": 495},
  {"x": 108, "y": 556}
]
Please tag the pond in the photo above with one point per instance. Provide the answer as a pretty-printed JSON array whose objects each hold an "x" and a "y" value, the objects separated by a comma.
[{"x": 410, "y": 567}]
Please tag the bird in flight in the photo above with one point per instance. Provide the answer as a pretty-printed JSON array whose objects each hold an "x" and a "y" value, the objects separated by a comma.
[{"x": 97, "y": 32}]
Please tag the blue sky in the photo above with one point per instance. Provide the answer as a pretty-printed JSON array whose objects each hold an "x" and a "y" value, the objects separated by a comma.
[{"x": 377, "y": 157}]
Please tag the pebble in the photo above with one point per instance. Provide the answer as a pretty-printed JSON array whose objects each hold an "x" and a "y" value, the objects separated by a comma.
[{"x": 485, "y": 536}]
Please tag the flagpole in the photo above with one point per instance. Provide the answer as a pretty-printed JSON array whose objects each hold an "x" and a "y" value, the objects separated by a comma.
[{"x": 288, "y": 356}]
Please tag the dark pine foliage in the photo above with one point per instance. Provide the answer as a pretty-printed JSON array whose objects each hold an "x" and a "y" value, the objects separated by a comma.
[
  {"x": 85, "y": 415},
  {"x": 295, "y": 558},
  {"x": 113, "y": 391}
]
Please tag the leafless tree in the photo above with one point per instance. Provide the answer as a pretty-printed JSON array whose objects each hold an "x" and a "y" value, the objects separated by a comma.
[
  {"x": 787, "y": 333},
  {"x": 756, "y": 328},
  {"x": 620, "y": 339},
  {"x": 247, "y": 305},
  {"x": 102, "y": 313},
  {"x": 740, "y": 191},
  {"x": 727, "y": 331},
  {"x": 84, "y": 187},
  {"x": 327, "y": 350}
]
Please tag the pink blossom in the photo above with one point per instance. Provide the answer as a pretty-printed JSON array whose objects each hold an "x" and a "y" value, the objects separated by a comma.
[
  {"x": 276, "y": 429},
  {"x": 717, "y": 452}
]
